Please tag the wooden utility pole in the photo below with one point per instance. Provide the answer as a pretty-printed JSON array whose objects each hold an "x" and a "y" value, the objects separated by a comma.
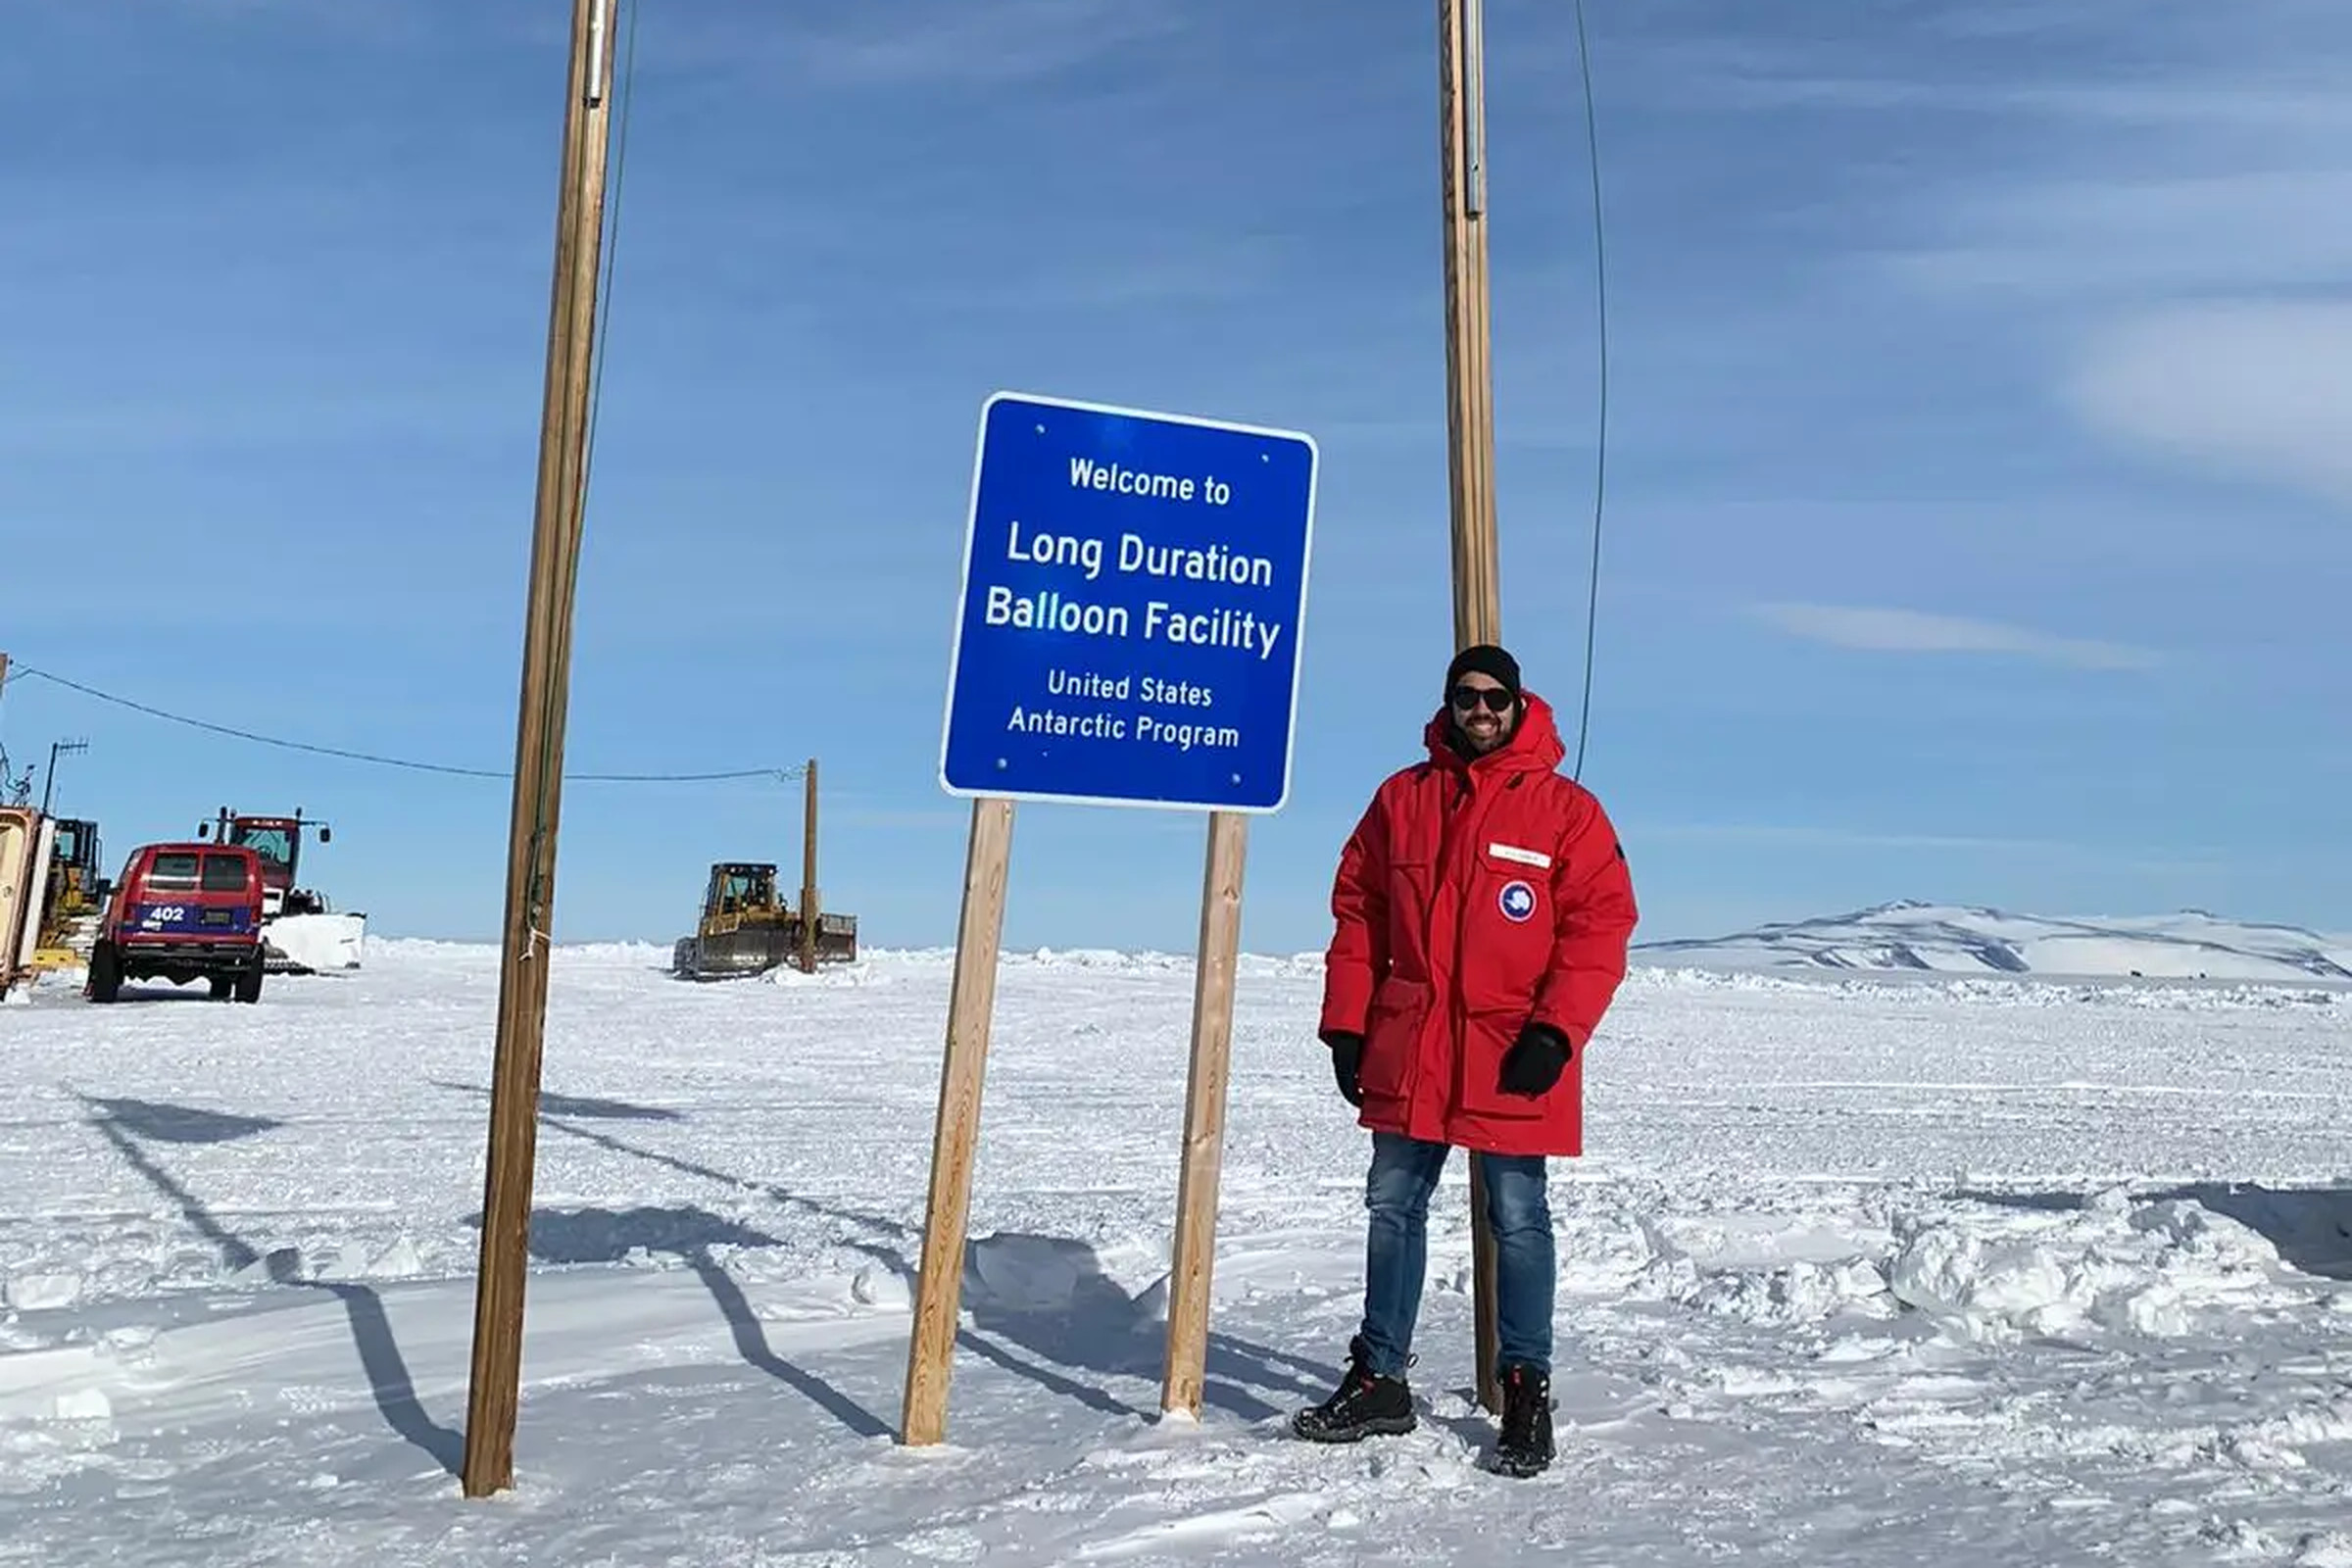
[
  {"x": 1470, "y": 457},
  {"x": 495, "y": 1391},
  {"x": 808, "y": 871}
]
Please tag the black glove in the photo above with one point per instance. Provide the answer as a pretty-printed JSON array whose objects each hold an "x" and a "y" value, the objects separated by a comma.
[
  {"x": 1535, "y": 1061},
  {"x": 1346, "y": 1061}
]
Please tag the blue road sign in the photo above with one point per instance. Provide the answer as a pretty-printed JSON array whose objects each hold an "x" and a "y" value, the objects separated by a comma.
[{"x": 1134, "y": 591}]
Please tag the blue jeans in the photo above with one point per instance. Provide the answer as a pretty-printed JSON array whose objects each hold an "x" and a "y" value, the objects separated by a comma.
[{"x": 1405, "y": 1172}]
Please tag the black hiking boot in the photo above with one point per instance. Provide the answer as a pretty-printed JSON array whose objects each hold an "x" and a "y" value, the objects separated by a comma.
[
  {"x": 1525, "y": 1446},
  {"x": 1364, "y": 1405}
]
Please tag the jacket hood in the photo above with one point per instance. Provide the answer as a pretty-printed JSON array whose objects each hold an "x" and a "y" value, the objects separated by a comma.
[{"x": 1535, "y": 745}]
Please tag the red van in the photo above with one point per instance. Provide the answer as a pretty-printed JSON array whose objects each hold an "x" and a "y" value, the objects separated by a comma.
[{"x": 182, "y": 912}]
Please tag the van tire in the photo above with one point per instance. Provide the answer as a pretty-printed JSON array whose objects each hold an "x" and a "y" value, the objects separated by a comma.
[
  {"x": 248, "y": 984},
  {"x": 105, "y": 973}
]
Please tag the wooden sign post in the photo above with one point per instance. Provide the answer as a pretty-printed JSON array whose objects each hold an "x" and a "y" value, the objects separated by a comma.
[
  {"x": 1128, "y": 633},
  {"x": 1470, "y": 464},
  {"x": 1193, "y": 1260},
  {"x": 971, "y": 1004},
  {"x": 496, "y": 1389}
]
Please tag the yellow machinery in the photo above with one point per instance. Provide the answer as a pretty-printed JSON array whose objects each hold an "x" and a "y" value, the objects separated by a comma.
[
  {"x": 748, "y": 929},
  {"x": 74, "y": 897},
  {"x": 24, "y": 842},
  {"x": 51, "y": 892}
]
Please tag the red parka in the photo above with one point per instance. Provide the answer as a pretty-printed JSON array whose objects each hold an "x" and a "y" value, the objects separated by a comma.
[{"x": 1476, "y": 895}]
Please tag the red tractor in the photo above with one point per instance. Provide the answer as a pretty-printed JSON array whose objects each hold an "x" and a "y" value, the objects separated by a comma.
[
  {"x": 277, "y": 841},
  {"x": 305, "y": 933}
]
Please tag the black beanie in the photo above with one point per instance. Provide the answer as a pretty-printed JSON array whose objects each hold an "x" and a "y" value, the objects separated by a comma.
[{"x": 1486, "y": 660}]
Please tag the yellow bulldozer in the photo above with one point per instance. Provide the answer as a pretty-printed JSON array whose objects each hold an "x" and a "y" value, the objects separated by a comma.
[{"x": 748, "y": 929}]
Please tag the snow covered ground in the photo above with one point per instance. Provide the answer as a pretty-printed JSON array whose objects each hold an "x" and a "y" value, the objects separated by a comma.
[
  {"x": 1950, "y": 939},
  {"x": 1857, "y": 1271}
]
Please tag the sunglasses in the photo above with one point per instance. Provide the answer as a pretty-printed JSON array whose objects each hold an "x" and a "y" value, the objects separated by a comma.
[{"x": 1498, "y": 700}]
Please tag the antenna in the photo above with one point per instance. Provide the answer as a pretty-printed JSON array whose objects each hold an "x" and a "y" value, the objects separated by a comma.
[{"x": 56, "y": 750}]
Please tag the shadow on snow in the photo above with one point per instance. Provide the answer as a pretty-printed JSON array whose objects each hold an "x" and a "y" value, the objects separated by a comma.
[
  {"x": 690, "y": 1235},
  {"x": 130, "y": 1125},
  {"x": 1040, "y": 1306}
]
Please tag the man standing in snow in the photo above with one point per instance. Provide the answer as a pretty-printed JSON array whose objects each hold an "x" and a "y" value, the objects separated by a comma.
[{"x": 1483, "y": 910}]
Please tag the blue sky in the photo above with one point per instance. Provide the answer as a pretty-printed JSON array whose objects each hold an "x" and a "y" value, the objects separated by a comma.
[{"x": 1980, "y": 455}]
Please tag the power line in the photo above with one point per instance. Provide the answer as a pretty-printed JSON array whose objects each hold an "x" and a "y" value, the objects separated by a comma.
[
  {"x": 1601, "y": 454},
  {"x": 18, "y": 673},
  {"x": 612, "y": 244},
  {"x": 628, "y": 75}
]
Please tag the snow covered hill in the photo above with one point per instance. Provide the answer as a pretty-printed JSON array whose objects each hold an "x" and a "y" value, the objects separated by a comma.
[{"x": 1950, "y": 939}]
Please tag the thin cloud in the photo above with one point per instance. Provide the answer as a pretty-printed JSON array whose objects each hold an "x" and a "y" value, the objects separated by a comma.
[
  {"x": 2253, "y": 107},
  {"x": 2127, "y": 232},
  {"x": 915, "y": 818},
  {"x": 941, "y": 44},
  {"x": 1113, "y": 267},
  {"x": 380, "y": 22},
  {"x": 1798, "y": 835},
  {"x": 1835, "y": 837},
  {"x": 2179, "y": 222},
  {"x": 292, "y": 419},
  {"x": 2159, "y": 208},
  {"x": 2260, "y": 389},
  {"x": 1911, "y": 632}
]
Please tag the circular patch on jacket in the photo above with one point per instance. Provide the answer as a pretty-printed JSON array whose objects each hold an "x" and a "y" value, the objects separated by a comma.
[{"x": 1516, "y": 901}]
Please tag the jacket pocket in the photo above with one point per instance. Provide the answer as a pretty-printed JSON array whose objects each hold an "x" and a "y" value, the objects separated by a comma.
[
  {"x": 1487, "y": 1038},
  {"x": 1392, "y": 1037},
  {"x": 1411, "y": 886}
]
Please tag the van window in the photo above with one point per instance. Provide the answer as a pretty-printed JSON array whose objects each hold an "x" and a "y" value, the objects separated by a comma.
[
  {"x": 176, "y": 870},
  {"x": 225, "y": 874}
]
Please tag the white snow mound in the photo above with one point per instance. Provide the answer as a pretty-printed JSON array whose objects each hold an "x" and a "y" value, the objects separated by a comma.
[{"x": 1913, "y": 937}]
